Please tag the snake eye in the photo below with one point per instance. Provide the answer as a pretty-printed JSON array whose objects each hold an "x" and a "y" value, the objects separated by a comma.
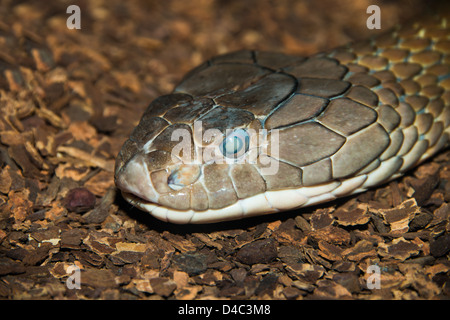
[{"x": 235, "y": 144}]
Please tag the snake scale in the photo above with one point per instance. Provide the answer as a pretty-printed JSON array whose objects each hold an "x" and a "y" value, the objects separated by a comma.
[{"x": 249, "y": 132}]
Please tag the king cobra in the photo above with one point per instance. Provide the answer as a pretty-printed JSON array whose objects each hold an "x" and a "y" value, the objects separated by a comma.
[{"x": 250, "y": 133}]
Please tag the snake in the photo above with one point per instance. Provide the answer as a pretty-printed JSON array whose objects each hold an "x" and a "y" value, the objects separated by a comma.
[{"x": 251, "y": 133}]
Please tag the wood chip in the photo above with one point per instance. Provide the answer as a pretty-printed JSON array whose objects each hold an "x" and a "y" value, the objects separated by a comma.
[
  {"x": 399, "y": 218},
  {"x": 399, "y": 248}
]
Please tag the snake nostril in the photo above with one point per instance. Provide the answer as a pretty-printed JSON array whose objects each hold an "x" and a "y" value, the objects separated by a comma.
[{"x": 183, "y": 176}]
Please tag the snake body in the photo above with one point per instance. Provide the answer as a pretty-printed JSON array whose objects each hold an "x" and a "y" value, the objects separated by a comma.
[{"x": 293, "y": 131}]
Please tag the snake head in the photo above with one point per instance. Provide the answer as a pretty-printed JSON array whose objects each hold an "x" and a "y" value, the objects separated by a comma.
[{"x": 175, "y": 166}]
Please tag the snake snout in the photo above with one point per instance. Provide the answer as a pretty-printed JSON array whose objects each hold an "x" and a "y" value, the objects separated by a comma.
[
  {"x": 133, "y": 178},
  {"x": 183, "y": 175}
]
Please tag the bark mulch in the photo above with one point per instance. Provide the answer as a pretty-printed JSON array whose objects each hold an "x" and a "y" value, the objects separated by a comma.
[{"x": 69, "y": 99}]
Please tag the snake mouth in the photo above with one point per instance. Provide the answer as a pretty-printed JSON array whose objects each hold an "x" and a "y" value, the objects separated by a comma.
[
  {"x": 159, "y": 211},
  {"x": 134, "y": 199}
]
